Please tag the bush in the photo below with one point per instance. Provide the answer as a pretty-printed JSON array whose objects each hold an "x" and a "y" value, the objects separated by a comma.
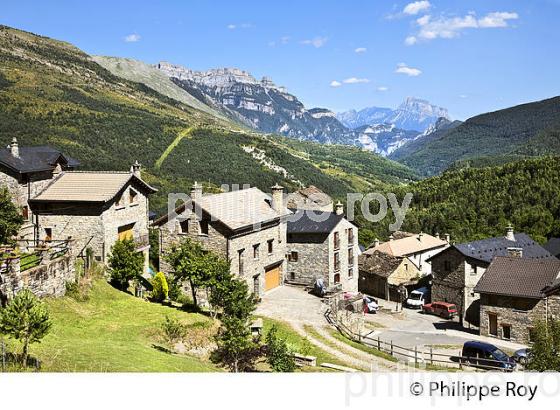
[
  {"x": 278, "y": 354},
  {"x": 125, "y": 263},
  {"x": 160, "y": 290},
  {"x": 173, "y": 330}
]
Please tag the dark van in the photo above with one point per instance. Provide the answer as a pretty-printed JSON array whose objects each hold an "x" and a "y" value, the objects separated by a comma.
[{"x": 486, "y": 355}]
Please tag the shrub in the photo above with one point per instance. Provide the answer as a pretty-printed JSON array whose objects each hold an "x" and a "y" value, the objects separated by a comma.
[
  {"x": 278, "y": 354},
  {"x": 173, "y": 330},
  {"x": 160, "y": 290},
  {"x": 125, "y": 263}
]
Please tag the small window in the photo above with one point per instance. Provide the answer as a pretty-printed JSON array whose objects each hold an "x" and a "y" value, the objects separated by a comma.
[
  {"x": 337, "y": 278},
  {"x": 474, "y": 269},
  {"x": 336, "y": 240},
  {"x": 203, "y": 227},
  {"x": 351, "y": 256},
  {"x": 120, "y": 201},
  {"x": 48, "y": 234},
  {"x": 350, "y": 237},
  {"x": 292, "y": 276},
  {"x": 350, "y": 273},
  {"x": 241, "y": 257},
  {"x": 506, "y": 332},
  {"x": 532, "y": 334},
  {"x": 256, "y": 251},
  {"x": 270, "y": 246},
  {"x": 447, "y": 266},
  {"x": 184, "y": 226},
  {"x": 406, "y": 266},
  {"x": 336, "y": 261},
  {"x": 25, "y": 213},
  {"x": 256, "y": 285},
  {"x": 133, "y": 196},
  {"x": 293, "y": 256}
]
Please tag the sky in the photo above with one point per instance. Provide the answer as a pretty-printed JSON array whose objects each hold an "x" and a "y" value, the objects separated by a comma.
[{"x": 469, "y": 56}]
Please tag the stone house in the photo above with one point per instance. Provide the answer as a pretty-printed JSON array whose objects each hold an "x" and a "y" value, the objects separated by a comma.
[
  {"x": 26, "y": 171},
  {"x": 323, "y": 245},
  {"x": 515, "y": 293},
  {"x": 418, "y": 248},
  {"x": 95, "y": 209},
  {"x": 247, "y": 227},
  {"x": 457, "y": 270},
  {"x": 381, "y": 275}
]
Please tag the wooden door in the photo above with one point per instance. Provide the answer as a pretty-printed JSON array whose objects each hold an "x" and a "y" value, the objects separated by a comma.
[
  {"x": 272, "y": 278},
  {"x": 493, "y": 324}
]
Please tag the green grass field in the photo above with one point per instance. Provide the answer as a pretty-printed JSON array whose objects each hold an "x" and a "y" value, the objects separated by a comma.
[{"x": 111, "y": 332}]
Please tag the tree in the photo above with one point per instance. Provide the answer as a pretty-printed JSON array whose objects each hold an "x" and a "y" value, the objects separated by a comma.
[
  {"x": 278, "y": 355},
  {"x": 10, "y": 217},
  {"x": 25, "y": 319},
  {"x": 190, "y": 262},
  {"x": 236, "y": 347},
  {"x": 160, "y": 288},
  {"x": 545, "y": 352},
  {"x": 125, "y": 263}
]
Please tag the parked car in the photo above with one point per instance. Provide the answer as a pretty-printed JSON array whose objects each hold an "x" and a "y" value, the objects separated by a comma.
[
  {"x": 441, "y": 309},
  {"x": 418, "y": 298},
  {"x": 522, "y": 356},
  {"x": 486, "y": 355}
]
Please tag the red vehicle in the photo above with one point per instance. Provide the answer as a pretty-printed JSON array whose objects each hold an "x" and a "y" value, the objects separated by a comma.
[{"x": 441, "y": 309}]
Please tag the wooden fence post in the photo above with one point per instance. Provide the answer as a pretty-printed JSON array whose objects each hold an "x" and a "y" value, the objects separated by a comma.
[
  {"x": 378, "y": 344},
  {"x": 391, "y": 348},
  {"x": 415, "y": 356},
  {"x": 431, "y": 355}
]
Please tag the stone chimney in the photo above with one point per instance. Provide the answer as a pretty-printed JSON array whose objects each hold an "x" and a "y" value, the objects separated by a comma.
[
  {"x": 339, "y": 208},
  {"x": 136, "y": 169},
  {"x": 420, "y": 235},
  {"x": 509, "y": 233},
  {"x": 515, "y": 252},
  {"x": 277, "y": 198},
  {"x": 447, "y": 238},
  {"x": 375, "y": 243},
  {"x": 437, "y": 235},
  {"x": 14, "y": 148},
  {"x": 391, "y": 237},
  {"x": 196, "y": 191}
]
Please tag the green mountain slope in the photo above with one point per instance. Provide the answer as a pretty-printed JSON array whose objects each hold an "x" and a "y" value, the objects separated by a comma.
[
  {"x": 53, "y": 93},
  {"x": 527, "y": 129},
  {"x": 476, "y": 203}
]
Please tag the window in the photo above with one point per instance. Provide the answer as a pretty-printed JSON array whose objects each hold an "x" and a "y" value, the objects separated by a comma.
[
  {"x": 293, "y": 256},
  {"x": 350, "y": 272},
  {"x": 25, "y": 213},
  {"x": 292, "y": 276},
  {"x": 133, "y": 196},
  {"x": 473, "y": 269},
  {"x": 241, "y": 261},
  {"x": 336, "y": 261},
  {"x": 203, "y": 227},
  {"x": 184, "y": 226},
  {"x": 493, "y": 324},
  {"x": 447, "y": 266},
  {"x": 506, "y": 332},
  {"x": 350, "y": 237},
  {"x": 532, "y": 334},
  {"x": 256, "y": 251},
  {"x": 337, "y": 278},
  {"x": 48, "y": 234},
  {"x": 270, "y": 246},
  {"x": 351, "y": 256},
  {"x": 120, "y": 201},
  {"x": 125, "y": 232},
  {"x": 256, "y": 285},
  {"x": 336, "y": 240}
]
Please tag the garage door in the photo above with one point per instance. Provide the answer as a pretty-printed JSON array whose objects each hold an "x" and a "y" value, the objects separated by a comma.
[{"x": 272, "y": 278}]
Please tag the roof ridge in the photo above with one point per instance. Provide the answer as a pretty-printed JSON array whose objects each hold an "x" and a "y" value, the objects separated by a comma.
[{"x": 99, "y": 172}]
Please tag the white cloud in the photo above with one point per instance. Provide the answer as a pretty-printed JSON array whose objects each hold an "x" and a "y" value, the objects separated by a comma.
[
  {"x": 402, "y": 68},
  {"x": 382, "y": 88},
  {"x": 463, "y": 96},
  {"x": 236, "y": 26},
  {"x": 335, "y": 84},
  {"x": 316, "y": 42},
  {"x": 231, "y": 26},
  {"x": 416, "y": 7},
  {"x": 430, "y": 28},
  {"x": 132, "y": 38},
  {"x": 354, "y": 80},
  {"x": 360, "y": 50}
]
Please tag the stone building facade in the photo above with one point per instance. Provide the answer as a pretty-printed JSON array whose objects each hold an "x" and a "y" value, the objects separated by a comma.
[
  {"x": 114, "y": 206},
  {"x": 26, "y": 171},
  {"x": 323, "y": 245},
  {"x": 247, "y": 227}
]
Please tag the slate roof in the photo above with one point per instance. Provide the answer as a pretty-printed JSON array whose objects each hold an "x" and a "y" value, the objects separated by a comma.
[
  {"x": 87, "y": 187},
  {"x": 408, "y": 245},
  {"x": 35, "y": 159},
  {"x": 313, "y": 222},
  {"x": 553, "y": 246},
  {"x": 514, "y": 276},
  {"x": 487, "y": 249},
  {"x": 379, "y": 263},
  {"x": 236, "y": 209}
]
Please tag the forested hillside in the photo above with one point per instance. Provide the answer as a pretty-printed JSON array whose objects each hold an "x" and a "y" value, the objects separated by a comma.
[
  {"x": 53, "y": 93},
  {"x": 527, "y": 129},
  {"x": 475, "y": 203}
]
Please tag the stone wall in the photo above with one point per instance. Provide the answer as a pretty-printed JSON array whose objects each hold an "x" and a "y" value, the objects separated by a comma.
[
  {"x": 518, "y": 313},
  {"x": 312, "y": 258},
  {"x": 47, "y": 279}
]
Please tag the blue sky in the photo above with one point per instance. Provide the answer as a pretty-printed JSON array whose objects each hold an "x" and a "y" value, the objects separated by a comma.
[{"x": 468, "y": 56}]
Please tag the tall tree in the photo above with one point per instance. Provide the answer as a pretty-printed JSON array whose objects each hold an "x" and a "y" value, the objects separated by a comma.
[
  {"x": 25, "y": 319},
  {"x": 125, "y": 263},
  {"x": 545, "y": 352},
  {"x": 278, "y": 355},
  {"x": 10, "y": 217}
]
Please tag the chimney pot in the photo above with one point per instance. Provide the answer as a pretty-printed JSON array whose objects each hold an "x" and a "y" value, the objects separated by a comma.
[
  {"x": 375, "y": 243},
  {"x": 509, "y": 233},
  {"x": 391, "y": 237},
  {"x": 136, "y": 169},
  {"x": 277, "y": 197},
  {"x": 447, "y": 238},
  {"x": 420, "y": 235},
  {"x": 339, "y": 209},
  {"x": 196, "y": 191},
  {"x": 14, "y": 148}
]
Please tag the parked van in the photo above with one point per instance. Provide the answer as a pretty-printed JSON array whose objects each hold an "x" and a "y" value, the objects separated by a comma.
[
  {"x": 418, "y": 298},
  {"x": 486, "y": 355}
]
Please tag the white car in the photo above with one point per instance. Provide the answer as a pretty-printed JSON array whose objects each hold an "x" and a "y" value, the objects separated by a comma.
[{"x": 417, "y": 298}]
